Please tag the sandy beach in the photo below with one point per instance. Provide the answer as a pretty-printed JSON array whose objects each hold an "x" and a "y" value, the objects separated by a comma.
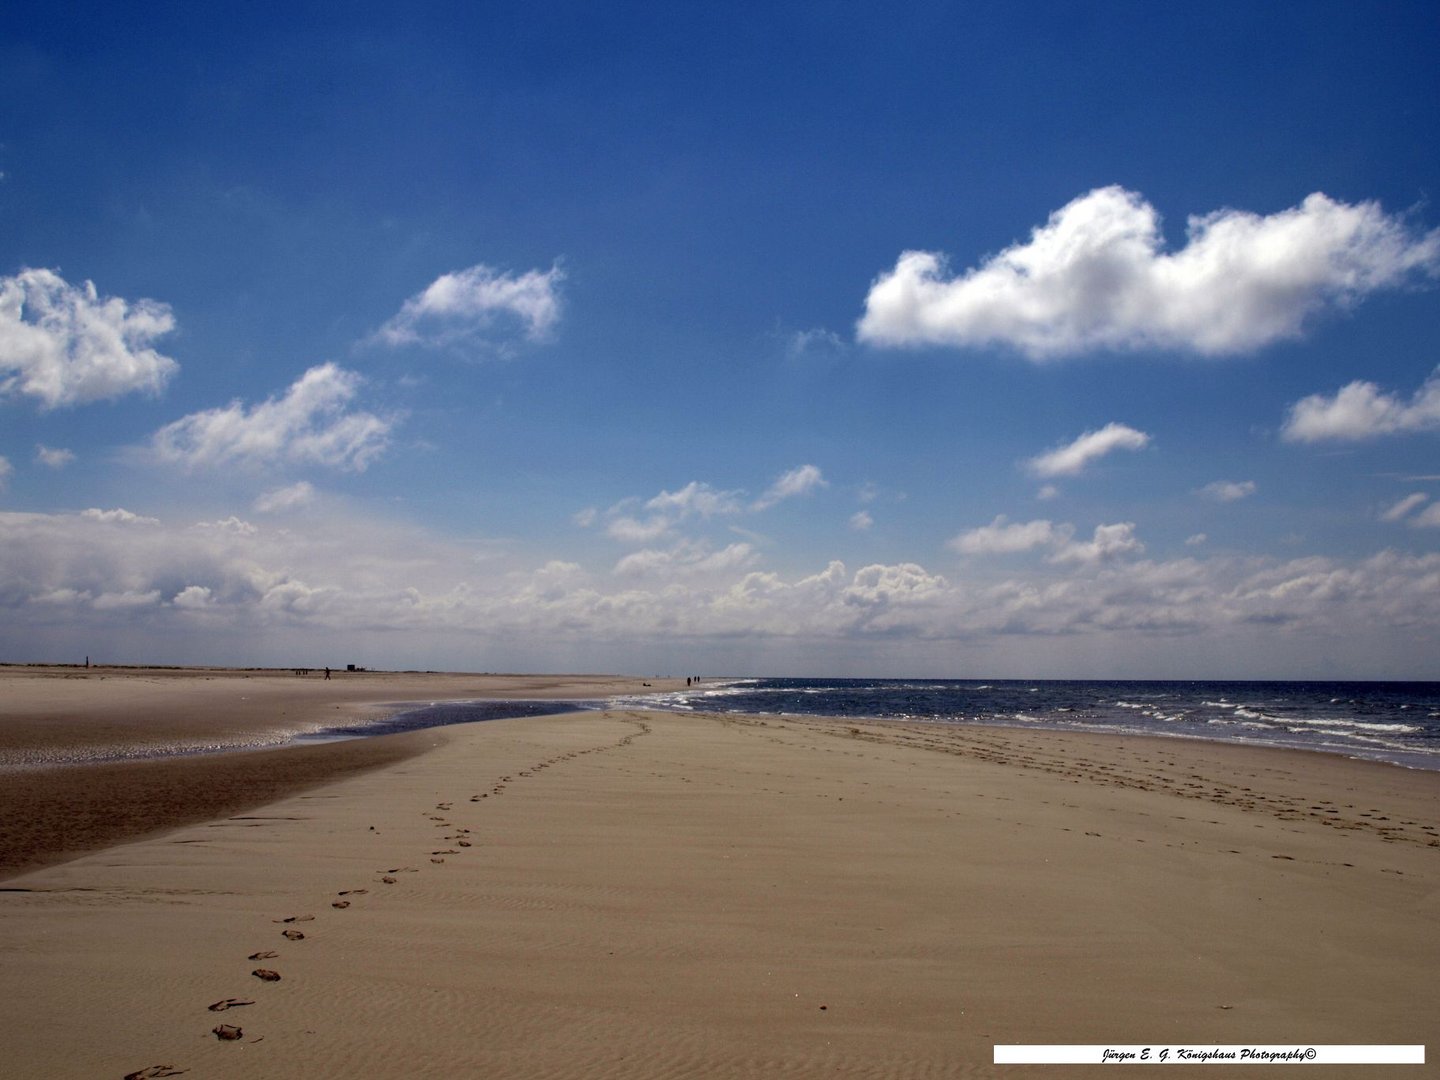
[{"x": 638, "y": 894}]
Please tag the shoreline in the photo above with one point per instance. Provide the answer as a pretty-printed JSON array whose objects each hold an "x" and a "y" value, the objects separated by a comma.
[
  {"x": 53, "y": 811},
  {"x": 65, "y": 794},
  {"x": 644, "y": 894}
]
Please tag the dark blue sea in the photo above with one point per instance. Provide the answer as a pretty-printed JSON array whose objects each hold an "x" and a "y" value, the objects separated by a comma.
[{"x": 1397, "y": 722}]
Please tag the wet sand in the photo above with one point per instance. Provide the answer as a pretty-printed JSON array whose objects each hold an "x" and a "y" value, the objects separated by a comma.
[{"x": 633, "y": 894}]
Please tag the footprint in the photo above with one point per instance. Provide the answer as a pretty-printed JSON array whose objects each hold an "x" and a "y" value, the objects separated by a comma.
[
  {"x": 227, "y": 1032},
  {"x": 296, "y": 918},
  {"x": 266, "y": 975},
  {"x": 293, "y": 935},
  {"x": 340, "y": 904},
  {"x": 388, "y": 880},
  {"x": 230, "y": 1003},
  {"x": 352, "y": 892},
  {"x": 266, "y": 954},
  {"x": 155, "y": 1070},
  {"x": 437, "y": 859}
]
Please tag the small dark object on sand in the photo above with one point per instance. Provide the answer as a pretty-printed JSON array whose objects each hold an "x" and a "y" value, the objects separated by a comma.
[{"x": 230, "y": 1003}]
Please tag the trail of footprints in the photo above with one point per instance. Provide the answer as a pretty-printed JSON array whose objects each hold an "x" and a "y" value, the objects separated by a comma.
[{"x": 458, "y": 836}]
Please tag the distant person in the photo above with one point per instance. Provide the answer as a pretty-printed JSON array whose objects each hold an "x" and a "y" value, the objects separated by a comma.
[{"x": 327, "y": 673}]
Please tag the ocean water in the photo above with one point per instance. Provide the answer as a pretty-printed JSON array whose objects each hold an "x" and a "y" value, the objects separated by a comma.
[{"x": 1384, "y": 721}]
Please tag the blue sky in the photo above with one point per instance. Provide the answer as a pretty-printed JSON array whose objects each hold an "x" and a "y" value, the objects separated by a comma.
[{"x": 964, "y": 340}]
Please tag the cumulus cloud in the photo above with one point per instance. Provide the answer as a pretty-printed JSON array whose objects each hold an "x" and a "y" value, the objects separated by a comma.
[
  {"x": 1361, "y": 410},
  {"x": 311, "y": 424},
  {"x": 861, "y": 521},
  {"x": 801, "y": 480},
  {"x": 1108, "y": 542},
  {"x": 469, "y": 304},
  {"x": 1073, "y": 458},
  {"x": 1095, "y": 276},
  {"x": 53, "y": 457},
  {"x": 1228, "y": 490},
  {"x": 65, "y": 344}
]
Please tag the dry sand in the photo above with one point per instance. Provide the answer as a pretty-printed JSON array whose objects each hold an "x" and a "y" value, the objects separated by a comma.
[{"x": 656, "y": 895}]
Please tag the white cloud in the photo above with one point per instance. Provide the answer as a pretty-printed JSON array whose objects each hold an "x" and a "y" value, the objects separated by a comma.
[
  {"x": 66, "y": 345},
  {"x": 1072, "y": 459},
  {"x": 5, "y": 470},
  {"x": 1361, "y": 410},
  {"x": 633, "y": 521},
  {"x": 1108, "y": 542},
  {"x": 1410, "y": 508},
  {"x": 686, "y": 559},
  {"x": 1095, "y": 277},
  {"x": 817, "y": 341},
  {"x": 80, "y": 580},
  {"x": 1003, "y": 537},
  {"x": 696, "y": 498},
  {"x": 1429, "y": 518},
  {"x": 468, "y": 304},
  {"x": 1228, "y": 490},
  {"x": 118, "y": 516},
  {"x": 630, "y": 530},
  {"x": 232, "y": 524},
  {"x": 801, "y": 480},
  {"x": 1047, "y": 492},
  {"x": 1404, "y": 506},
  {"x": 310, "y": 424},
  {"x": 1196, "y": 540},
  {"x": 193, "y": 597},
  {"x": 286, "y": 498},
  {"x": 54, "y": 458},
  {"x": 861, "y": 521}
]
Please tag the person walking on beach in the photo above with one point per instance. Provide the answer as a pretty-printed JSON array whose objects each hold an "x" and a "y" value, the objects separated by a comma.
[{"x": 327, "y": 673}]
